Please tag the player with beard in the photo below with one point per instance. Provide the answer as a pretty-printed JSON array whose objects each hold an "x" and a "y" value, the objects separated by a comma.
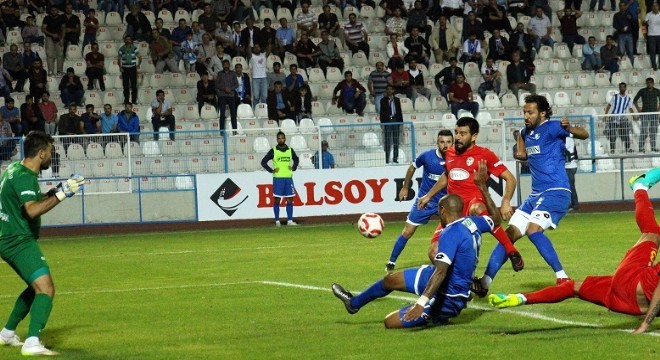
[
  {"x": 541, "y": 143},
  {"x": 433, "y": 162},
  {"x": 461, "y": 161}
]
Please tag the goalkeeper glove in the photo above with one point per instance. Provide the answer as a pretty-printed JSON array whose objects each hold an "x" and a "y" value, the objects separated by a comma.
[{"x": 70, "y": 187}]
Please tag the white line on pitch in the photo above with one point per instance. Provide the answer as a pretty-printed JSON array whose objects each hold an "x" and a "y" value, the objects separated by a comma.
[{"x": 470, "y": 306}]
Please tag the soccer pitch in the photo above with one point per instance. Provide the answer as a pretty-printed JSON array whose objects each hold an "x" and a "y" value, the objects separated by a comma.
[{"x": 264, "y": 293}]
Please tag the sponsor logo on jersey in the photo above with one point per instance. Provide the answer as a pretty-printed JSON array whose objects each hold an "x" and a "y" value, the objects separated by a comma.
[
  {"x": 28, "y": 192},
  {"x": 532, "y": 150},
  {"x": 459, "y": 174},
  {"x": 434, "y": 177},
  {"x": 470, "y": 161}
]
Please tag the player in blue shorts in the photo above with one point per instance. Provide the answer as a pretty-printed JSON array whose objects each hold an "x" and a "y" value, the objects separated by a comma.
[
  {"x": 285, "y": 162},
  {"x": 541, "y": 143},
  {"x": 433, "y": 162},
  {"x": 444, "y": 287}
]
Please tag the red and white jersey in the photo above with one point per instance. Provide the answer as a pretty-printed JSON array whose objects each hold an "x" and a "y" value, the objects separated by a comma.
[{"x": 461, "y": 168}]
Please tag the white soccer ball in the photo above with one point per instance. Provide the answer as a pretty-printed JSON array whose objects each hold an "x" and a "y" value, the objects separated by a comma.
[{"x": 370, "y": 225}]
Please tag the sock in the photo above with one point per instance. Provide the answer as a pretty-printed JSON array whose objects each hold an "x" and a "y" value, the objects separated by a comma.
[
  {"x": 503, "y": 239},
  {"x": 497, "y": 259},
  {"x": 644, "y": 213},
  {"x": 545, "y": 248},
  {"x": 399, "y": 244},
  {"x": 486, "y": 281},
  {"x": 276, "y": 210},
  {"x": 39, "y": 313},
  {"x": 31, "y": 341},
  {"x": 561, "y": 274},
  {"x": 21, "y": 309},
  {"x": 436, "y": 234},
  {"x": 551, "y": 294},
  {"x": 375, "y": 291},
  {"x": 6, "y": 333},
  {"x": 289, "y": 210}
]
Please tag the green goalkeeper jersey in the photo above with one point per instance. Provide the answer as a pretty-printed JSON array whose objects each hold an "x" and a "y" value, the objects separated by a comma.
[{"x": 18, "y": 186}]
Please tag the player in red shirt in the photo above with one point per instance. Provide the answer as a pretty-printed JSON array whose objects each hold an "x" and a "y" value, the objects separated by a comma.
[
  {"x": 461, "y": 162},
  {"x": 634, "y": 289}
]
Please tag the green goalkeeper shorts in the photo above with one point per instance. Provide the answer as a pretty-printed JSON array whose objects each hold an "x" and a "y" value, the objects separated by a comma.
[{"x": 25, "y": 257}]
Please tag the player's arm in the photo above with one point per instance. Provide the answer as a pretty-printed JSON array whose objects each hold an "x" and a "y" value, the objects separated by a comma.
[
  {"x": 66, "y": 189},
  {"x": 438, "y": 277},
  {"x": 403, "y": 194},
  {"x": 264, "y": 162},
  {"x": 480, "y": 179},
  {"x": 577, "y": 131},
  {"x": 521, "y": 152},
  {"x": 652, "y": 312},
  {"x": 505, "y": 207},
  {"x": 34, "y": 209},
  {"x": 439, "y": 185}
]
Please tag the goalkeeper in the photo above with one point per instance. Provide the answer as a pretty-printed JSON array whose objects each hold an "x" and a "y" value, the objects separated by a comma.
[{"x": 21, "y": 207}]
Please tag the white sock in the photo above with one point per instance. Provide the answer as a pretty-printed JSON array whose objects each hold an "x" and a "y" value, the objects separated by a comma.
[
  {"x": 31, "y": 341},
  {"x": 639, "y": 186},
  {"x": 6, "y": 333},
  {"x": 561, "y": 274},
  {"x": 522, "y": 298},
  {"x": 486, "y": 281}
]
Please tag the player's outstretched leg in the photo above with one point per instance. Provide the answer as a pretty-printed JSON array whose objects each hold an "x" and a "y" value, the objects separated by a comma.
[
  {"x": 644, "y": 213},
  {"x": 345, "y": 296},
  {"x": 646, "y": 180},
  {"x": 551, "y": 294},
  {"x": 399, "y": 245},
  {"x": 512, "y": 253}
]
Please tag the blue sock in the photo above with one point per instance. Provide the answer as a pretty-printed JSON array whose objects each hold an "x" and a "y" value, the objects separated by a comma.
[
  {"x": 399, "y": 244},
  {"x": 497, "y": 259},
  {"x": 289, "y": 210},
  {"x": 545, "y": 248},
  {"x": 375, "y": 291},
  {"x": 276, "y": 209}
]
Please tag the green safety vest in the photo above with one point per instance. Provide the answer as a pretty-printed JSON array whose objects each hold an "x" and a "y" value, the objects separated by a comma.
[{"x": 282, "y": 160}]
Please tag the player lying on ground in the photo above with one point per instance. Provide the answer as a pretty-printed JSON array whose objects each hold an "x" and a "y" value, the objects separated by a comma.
[
  {"x": 446, "y": 286},
  {"x": 634, "y": 289},
  {"x": 461, "y": 161}
]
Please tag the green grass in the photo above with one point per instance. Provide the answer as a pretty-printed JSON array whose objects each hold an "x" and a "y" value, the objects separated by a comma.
[{"x": 204, "y": 294}]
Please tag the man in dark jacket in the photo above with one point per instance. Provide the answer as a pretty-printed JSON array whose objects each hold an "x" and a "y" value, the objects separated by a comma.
[
  {"x": 390, "y": 112},
  {"x": 518, "y": 75}
]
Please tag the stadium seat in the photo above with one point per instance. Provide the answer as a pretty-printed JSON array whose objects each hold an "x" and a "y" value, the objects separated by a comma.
[
  {"x": 625, "y": 63},
  {"x": 545, "y": 52},
  {"x": 316, "y": 75},
  {"x": 492, "y": 101},
  {"x": 550, "y": 82},
  {"x": 159, "y": 81},
  {"x": 113, "y": 150},
  {"x": 252, "y": 162},
  {"x": 556, "y": 66},
  {"x": 370, "y": 140},
  {"x": 245, "y": 112},
  {"x": 261, "y": 145},
  {"x": 288, "y": 126},
  {"x": 299, "y": 142},
  {"x": 567, "y": 81},
  {"x": 617, "y": 78},
  {"x": 188, "y": 147},
  {"x": 448, "y": 121},
  {"x": 578, "y": 98},
  {"x": 562, "y": 99},
  {"x": 541, "y": 66},
  {"x": 95, "y": 151},
  {"x": 75, "y": 152},
  {"x": 509, "y": 100},
  {"x": 334, "y": 76},
  {"x": 422, "y": 104},
  {"x": 484, "y": 117},
  {"x": 471, "y": 69},
  {"x": 317, "y": 108},
  {"x": 150, "y": 148},
  {"x": 602, "y": 80},
  {"x": 585, "y": 80},
  {"x": 406, "y": 105},
  {"x": 307, "y": 126},
  {"x": 636, "y": 78}
]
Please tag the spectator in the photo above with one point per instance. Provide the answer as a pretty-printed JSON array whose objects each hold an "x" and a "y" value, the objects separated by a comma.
[
  {"x": 327, "y": 161},
  {"x": 591, "y": 54},
  {"x": 460, "y": 97},
  {"x": 49, "y": 111},
  {"x": 351, "y": 96},
  {"x": 146, "y": 5},
  {"x": 208, "y": 20},
  {"x": 518, "y": 75},
  {"x": 243, "y": 90},
  {"x": 293, "y": 81},
  {"x": 11, "y": 14},
  {"x": 619, "y": 126},
  {"x": 53, "y": 28},
  {"x": 91, "y": 121},
  {"x": 216, "y": 62},
  {"x": 289, "y": 4},
  {"x": 276, "y": 75},
  {"x": 13, "y": 63},
  {"x": 400, "y": 79},
  {"x": 472, "y": 25},
  {"x": 307, "y": 52},
  {"x": 268, "y": 39},
  {"x": 523, "y": 42},
  {"x": 652, "y": 23},
  {"x": 198, "y": 32},
  {"x": 95, "y": 67},
  {"x": 162, "y": 54},
  {"x": 162, "y": 32},
  {"x": 279, "y": 107},
  {"x": 328, "y": 21},
  {"x": 330, "y": 55},
  {"x": 30, "y": 32},
  {"x": 649, "y": 126},
  {"x": 524, "y": 167},
  {"x": 11, "y": 115},
  {"x": 70, "y": 124},
  {"x": 38, "y": 78},
  {"x": 445, "y": 41},
  {"x": 224, "y": 35},
  {"x": 109, "y": 122},
  {"x": 395, "y": 25},
  {"x": 189, "y": 53},
  {"x": 418, "y": 48},
  {"x": 235, "y": 47},
  {"x": 452, "y": 8},
  {"x": 356, "y": 36},
  {"x": 622, "y": 22},
  {"x": 28, "y": 57},
  {"x": 390, "y": 112},
  {"x": 222, "y": 10},
  {"x": 91, "y": 24},
  {"x": 520, "y": 7},
  {"x": 498, "y": 47},
  {"x": 71, "y": 27},
  {"x": 472, "y": 50},
  {"x": 162, "y": 114},
  {"x": 226, "y": 84},
  {"x": 570, "y": 151},
  {"x": 610, "y": 55},
  {"x": 601, "y": 5},
  {"x": 138, "y": 26},
  {"x": 301, "y": 104},
  {"x": 418, "y": 18},
  {"x": 205, "y": 52},
  {"x": 7, "y": 145},
  {"x": 495, "y": 17},
  {"x": 259, "y": 76},
  {"x": 569, "y": 29},
  {"x": 128, "y": 122},
  {"x": 378, "y": 80},
  {"x": 390, "y": 7},
  {"x": 540, "y": 29},
  {"x": 396, "y": 51},
  {"x": 206, "y": 93},
  {"x": 250, "y": 36},
  {"x": 632, "y": 8},
  {"x": 306, "y": 22},
  {"x": 31, "y": 117},
  {"x": 448, "y": 76},
  {"x": 179, "y": 36},
  {"x": 71, "y": 88},
  {"x": 286, "y": 37},
  {"x": 417, "y": 81},
  {"x": 491, "y": 78},
  {"x": 129, "y": 61}
]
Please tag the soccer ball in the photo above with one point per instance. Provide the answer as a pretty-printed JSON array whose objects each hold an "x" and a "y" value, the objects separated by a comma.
[{"x": 370, "y": 225}]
